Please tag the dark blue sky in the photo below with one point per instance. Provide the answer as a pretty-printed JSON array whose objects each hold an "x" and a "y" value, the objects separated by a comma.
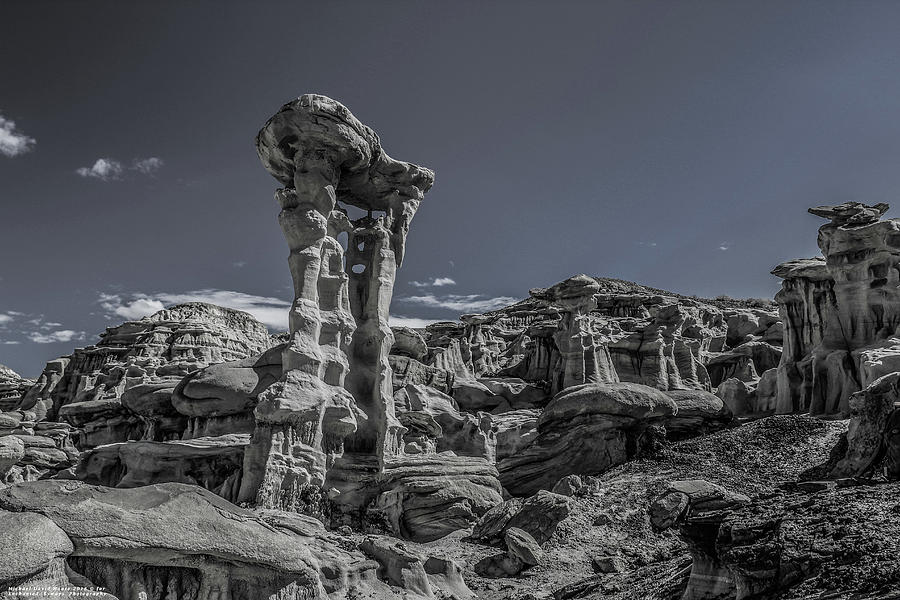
[{"x": 677, "y": 144}]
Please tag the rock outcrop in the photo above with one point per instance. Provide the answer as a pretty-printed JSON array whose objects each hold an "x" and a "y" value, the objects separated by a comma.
[
  {"x": 840, "y": 315},
  {"x": 120, "y": 389},
  {"x": 12, "y": 387},
  {"x": 586, "y": 430}
]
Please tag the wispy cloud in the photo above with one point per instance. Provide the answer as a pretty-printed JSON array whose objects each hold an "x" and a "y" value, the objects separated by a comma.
[
  {"x": 62, "y": 335},
  {"x": 11, "y": 342},
  {"x": 433, "y": 282},
  {"x": 12, "y": 141},
  {"x": 105, "y": 169},
  {"x": 110, "y": 169},
  {"x": 272, "y": 312},
  {"x": 725, "y": 246},
  {"x": 5, "y": 318},
  {"x": 147, "y": 166},
  {"x": 460, "y": 303},
  {"x": 414, "y": 322},
  {"x": 238, "y": 264}
]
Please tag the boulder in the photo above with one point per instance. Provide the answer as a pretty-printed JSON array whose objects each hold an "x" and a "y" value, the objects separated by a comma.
[
  {"x": 538, "y": 516},
  {"x": 586, "y": 430},
  {"x": 522, "y": 546},
  {"x": 425, "y": 497},
  {"x": 699, "y": 412}
]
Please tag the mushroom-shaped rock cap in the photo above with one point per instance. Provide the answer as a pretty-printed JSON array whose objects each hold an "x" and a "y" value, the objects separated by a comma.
[
  {"x": 631, "y": 400},
  {"x": 806, "y": 268},
  {"x": 319, "y": 127},
  {"x": 579, "y": 286},
  {"x": 851, "y": 213}
]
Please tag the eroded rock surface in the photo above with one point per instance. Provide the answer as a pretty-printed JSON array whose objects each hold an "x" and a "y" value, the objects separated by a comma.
[{"x": 840, "y": 315}]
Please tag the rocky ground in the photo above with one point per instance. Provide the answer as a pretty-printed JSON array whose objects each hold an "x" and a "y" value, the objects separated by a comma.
[{"x": 610, "y": 527}]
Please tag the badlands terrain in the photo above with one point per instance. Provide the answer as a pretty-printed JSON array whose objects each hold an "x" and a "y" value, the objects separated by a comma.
[{"x": 598, "y": 439}]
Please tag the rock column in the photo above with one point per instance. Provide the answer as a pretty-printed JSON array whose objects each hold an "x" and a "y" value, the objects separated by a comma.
[{"x": 335, "y": 392}]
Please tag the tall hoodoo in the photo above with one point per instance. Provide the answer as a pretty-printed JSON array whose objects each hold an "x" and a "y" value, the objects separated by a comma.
[
  {"x": 335, "y": 393},
  {"x": 842, "y": 314}
]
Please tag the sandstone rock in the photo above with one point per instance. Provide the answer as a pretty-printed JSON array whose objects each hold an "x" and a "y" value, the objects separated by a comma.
[
  {"x": 522, "y": 546},
  {"x": 421, "y": 407},
  {"x": 519, "y": 394},
  {"x": 474, "y": 396},
  {"x": 12, "y": 387},
  {"x": 834, "y": 312},
  {"x": 608, "y": 564},
  {"x": 191, "y": 533},
  {"x": 424, "y": 498},
  {"x": 220, "y": 399},
  {"x": 499, "y": 565},
  {"x": 851, "y": 213},
  {"x": 699, "y": 507},
  {"x": 586, "y": 430},
  {"x": 12, "y": 451},
  {"x": 213, "y": 463},
  {"x": 170, "y": 342},
  {"x": 737, "y": 396},
  {"x": 418, "y": 576},
  {"x": 698, "y": 413},
  {"x": 870, "y": 439},
  {"x": 29, "y": 544},
  {"x": 409, "y": 342},
  {"x": 766, "y": 400},
  {"x": 538, "y": 516},
  {"x": 515, "y": 430},
  {"x": 408, "y": 371}
]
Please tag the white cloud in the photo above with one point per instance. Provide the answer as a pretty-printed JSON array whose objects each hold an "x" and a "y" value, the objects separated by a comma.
[
  {"x": 725, "y": 246},
  {"x": 11, "y": 342},
  {"x": 147, "y": 166},
  {"x": 134, "y": 309},
  {"x": 5, "y": 318},
  {"x": 110, "y": 169},
  {"x": 468, "y": 303},
  {"x": 12, "y": 141},
  {"x": 104, "y": 169},
  {"x": 414, "y": 322},
  {"x": 272, "y": 312},
  {"x": 63, "y": 335},
  {"x": 433, "y": 282}
]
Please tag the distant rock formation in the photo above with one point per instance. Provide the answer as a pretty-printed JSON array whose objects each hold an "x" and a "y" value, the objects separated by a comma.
[
  {"x": 12, "y": 387},
  {"x": 120, "y": 389}
]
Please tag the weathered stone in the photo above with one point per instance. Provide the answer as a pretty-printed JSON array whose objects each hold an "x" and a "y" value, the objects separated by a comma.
[
  {"x": 586, "y": 430},
  {"x": 213, "y": 463},
  {"x": 834, "y": 313},
  {"x": 409, "y": 342},
  {"x": 192, "y": 533},
  {"x": 522, "y": 546},
  {"x": 699, "y": 412}
]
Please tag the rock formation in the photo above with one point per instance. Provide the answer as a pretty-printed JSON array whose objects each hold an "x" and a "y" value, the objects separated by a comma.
[
  {"x": 12, "y": 387},
  {"x": 840, "y": 315},
  {"x": 586, "y": 430},
  {"x": 192, "y": 455},
  {"x": 120, "y": 389}
]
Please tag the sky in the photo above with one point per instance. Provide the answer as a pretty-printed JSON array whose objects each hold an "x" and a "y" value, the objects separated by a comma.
[{"x": 672, "y": 143}]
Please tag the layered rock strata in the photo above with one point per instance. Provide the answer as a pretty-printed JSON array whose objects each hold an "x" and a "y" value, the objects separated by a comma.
[{"x": 840, "y": 314}]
